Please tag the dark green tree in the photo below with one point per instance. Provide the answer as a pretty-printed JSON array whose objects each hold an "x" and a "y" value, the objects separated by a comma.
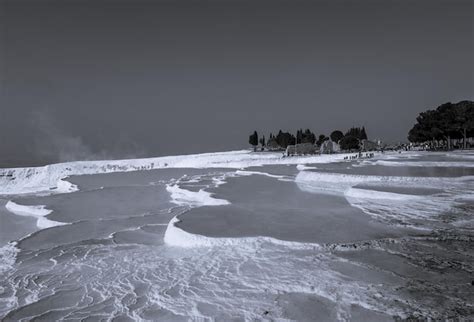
[
  {"x": 427, "y": 128},
  {"x": 353, "y": 131},
  {"x": 308, "y": 137},
  {"x": 284, "y": 139},
  {"x": 321, "y": 139},
  {"x": 349, "y": 142},
  {"x": 363, "y": 134},
  {"x": 299, "y": 136},
  {"x": 336, "y": 136},
  {"x": 357, "y": 132},
  {"x": 448, "y": 121},
  {"x": 253, "y": 140},
  {"x": 464, "y": 120}
]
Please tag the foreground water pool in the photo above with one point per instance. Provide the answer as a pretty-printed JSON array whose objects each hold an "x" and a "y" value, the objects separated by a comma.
[{"x": 378, "y": 239}]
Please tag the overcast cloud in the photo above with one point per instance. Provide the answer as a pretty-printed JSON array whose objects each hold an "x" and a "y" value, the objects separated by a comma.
[{"x": 114, "y": 79}]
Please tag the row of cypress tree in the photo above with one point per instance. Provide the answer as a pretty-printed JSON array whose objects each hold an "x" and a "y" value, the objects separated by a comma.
[{"x": 350, "y": 140}]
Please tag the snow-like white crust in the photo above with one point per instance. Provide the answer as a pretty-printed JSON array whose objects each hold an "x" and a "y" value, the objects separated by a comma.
[
  {"x": 183, "y": 197},
  {"x": 38, "y": 211},
  {"x": 47, "y": 178},
  {"x": 175, "y": 236}
]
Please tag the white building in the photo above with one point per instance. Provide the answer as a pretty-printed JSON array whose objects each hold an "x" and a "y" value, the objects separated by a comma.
[{"x": 329, "y": 147}]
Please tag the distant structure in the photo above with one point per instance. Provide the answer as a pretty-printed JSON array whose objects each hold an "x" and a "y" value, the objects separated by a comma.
[
  {"x": 354, "y": 140},
  {"x": 366, "y": 145},
  {"x": 329, "y": 146},
  {"x": 302, "y": 148}
]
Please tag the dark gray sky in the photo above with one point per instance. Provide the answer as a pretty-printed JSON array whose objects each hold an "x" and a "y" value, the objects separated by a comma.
[{"x": 112, "y": 79}]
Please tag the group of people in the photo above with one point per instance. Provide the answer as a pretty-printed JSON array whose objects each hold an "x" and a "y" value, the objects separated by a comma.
[{"x": 359, "y": 156}]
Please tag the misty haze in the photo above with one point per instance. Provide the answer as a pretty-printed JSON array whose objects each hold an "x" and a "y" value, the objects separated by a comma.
[{"x": 236, "y": 160}]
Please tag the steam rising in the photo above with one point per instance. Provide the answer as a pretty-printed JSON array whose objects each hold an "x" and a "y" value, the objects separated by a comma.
[{"x": 54, "y": 143}]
